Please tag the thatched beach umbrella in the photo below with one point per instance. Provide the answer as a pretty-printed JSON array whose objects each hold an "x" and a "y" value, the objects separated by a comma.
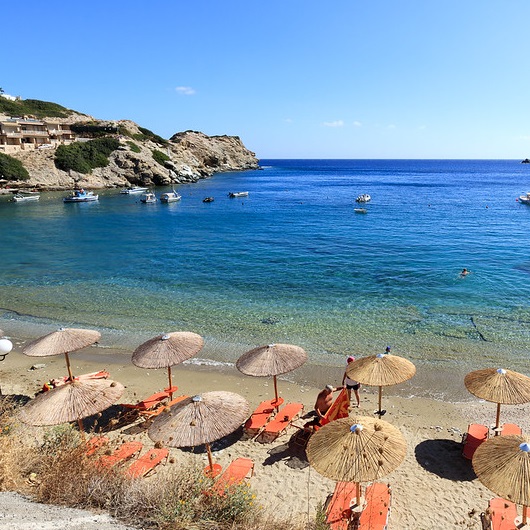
[
  {"x": 383, "y": 369},
  {"x": 499, "y": 386},
  {"x": 200, "y": 420},
  {"x": 166, "y": 350},
  {"x": 356, "y": 449},
  {"x": 502, "y": 464},
  {"x": 271, "y": 360},
  {"x": 72, "y": 401},
  {"x": 64, "y": 340}
]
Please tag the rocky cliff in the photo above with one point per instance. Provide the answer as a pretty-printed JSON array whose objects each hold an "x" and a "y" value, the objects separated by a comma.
[{"x": 192, "y": 156}]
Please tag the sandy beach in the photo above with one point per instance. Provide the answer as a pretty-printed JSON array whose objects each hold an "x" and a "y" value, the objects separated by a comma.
[{"x": 435, "y": 487}]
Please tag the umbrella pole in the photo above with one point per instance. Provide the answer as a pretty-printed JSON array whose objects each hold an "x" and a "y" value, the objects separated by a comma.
[
  {"x": 210, "y": 459},
  {"x": 525, "y": 514},
  {"x": 81, "y": 428},
  {"x": 358, "y": 493},
  {"x": 276, "y": 393},
  {"x": 380, "y": 410},
  {"x": 70, "y": 376},
  {"x": 497, "y": 420},
  {"x": 170, "y": 383}
]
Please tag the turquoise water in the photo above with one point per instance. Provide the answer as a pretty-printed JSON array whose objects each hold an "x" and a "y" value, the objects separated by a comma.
[{"x": 291, "y": 262}]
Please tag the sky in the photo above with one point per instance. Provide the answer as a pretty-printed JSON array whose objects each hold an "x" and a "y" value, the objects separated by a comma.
[{"x": 353, "y": 79}]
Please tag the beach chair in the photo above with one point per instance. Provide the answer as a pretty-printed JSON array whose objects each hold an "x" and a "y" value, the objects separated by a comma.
[
  {"x": 281, "y": 421},
  {"x": 147, "y": 462},
  {"x": 377, "y": 509},
  {"x": 476, "y": 434},
  {"x": 338, "y": 512},
  {"x": 261, "y": 416},
  {"x": 236, "y": 472},
  {"x": 152, "y": 401},
  {"x": 95, "y": 443},
  {"x": 500, "y": 515},
  {"x": 123, "y": 453},
  {"x": 153, "y": 413},
  {"x": 510, "y": 428}
]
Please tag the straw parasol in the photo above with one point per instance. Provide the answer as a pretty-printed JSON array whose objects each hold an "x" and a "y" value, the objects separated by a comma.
[
  {"x": 200, "y": 420},
  {"x": 64, "y": 340},
  {"x": 271, "y": 360},
  {"x": 502, "y": 464},
  {"x": 166, "y": 350},
  {"x": 383, "y": 369},
  {"x": 72, "y": 401},
  {"x": 356, "y": 449},
  {"x": 499, "y": 386}
]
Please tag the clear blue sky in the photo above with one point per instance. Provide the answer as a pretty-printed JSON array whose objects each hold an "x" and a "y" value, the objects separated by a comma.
[{"x": 292, "y": 78}]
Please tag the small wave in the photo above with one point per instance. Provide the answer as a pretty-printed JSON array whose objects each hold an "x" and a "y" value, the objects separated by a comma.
[{"x": 206, "y": 362}]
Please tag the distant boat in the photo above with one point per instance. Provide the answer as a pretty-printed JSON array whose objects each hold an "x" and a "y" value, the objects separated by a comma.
[
  {"x": 148, "y": 197},
  {"x": 525, "y": 199},
  {"x": 207, "y": 199},
  {"x": 525, "y": 161},
  {"x": 363, "y": 198},
  {"x": 81, "y": 196},
  {"x": 233, "y": 195},
  {"x": 360, "y": 210},
  {"x": 19, "y": 197},
  {"x": 133, "y": 189},
  {"x": 170, "y": 196}
]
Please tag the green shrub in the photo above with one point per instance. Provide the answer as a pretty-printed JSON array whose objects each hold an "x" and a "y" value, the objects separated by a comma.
[
  {"x": 160, "y": 157},
  {"x": 93, "y": 129},
  {"x": 133, "y": 147},
  {"x": 86, "y": 156},
  {"x": 12, "y": 169},
  {"x": 34, "y": 107}
]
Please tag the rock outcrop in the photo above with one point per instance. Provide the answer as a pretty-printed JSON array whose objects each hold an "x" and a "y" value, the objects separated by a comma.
[{"x": 192, "y": 156}]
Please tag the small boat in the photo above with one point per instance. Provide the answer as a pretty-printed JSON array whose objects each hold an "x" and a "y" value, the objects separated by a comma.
[
  {"x": 148, "y": 197},
  {"x": 525, "y": 161},
  {"x": 360, "y": 210},
  {"x": 363, "y": 198},
  {"x": 525, "y": 199},
  {"x": 133, "y": 189},
  {"x": 19, "y": 197},
  {"x": 207, "y": 199},
  {"x": 170, "y": 196},
  {"x": 81, "y": 196},
  {"x": 238, "y": 194}
]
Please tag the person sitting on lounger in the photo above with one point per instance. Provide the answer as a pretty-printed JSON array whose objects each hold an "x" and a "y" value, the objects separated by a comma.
[{"x": 324, "y": 401}]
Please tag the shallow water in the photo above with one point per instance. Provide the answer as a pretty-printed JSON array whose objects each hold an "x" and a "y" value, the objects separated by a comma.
[{"x": 291, "y": 263}]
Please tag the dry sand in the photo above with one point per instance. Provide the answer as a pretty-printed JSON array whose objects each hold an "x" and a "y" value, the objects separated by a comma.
[{"x": 434, "y": 488}]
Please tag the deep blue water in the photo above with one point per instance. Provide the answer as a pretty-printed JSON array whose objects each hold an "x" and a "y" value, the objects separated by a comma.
[{"x": 291, "y": 262}]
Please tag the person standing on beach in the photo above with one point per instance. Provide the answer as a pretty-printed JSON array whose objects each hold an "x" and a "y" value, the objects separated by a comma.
[{"x": 351, "y": 384}]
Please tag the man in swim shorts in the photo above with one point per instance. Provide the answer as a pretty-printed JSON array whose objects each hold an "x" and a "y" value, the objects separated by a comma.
[{"x": 351, "y": 384}]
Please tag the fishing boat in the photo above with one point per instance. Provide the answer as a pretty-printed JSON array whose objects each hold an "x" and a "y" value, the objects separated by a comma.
[
  {"x": 20, "y": 197},
  {"x": 207, "y": 199},
  {"x": 81, "y": 196},
  {"x": 148, "y": 197},
  {"x": 236, "y": 194},
  {"x": 170, "y": 196},
  {"x": 133, "y": 189},
  {"x": 363, "y": 198},
  {"x": 525, "y": 199}
]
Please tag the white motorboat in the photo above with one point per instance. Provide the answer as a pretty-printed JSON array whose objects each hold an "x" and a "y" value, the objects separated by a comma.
[
  {"x": 363, "y": 198},
  {"x": 20, "y": 197},
  {"x": 233, "y": 195},
  {"x": 170, "y": 196},
  {"x": 360, "y": 210},
  {"x": 525, "y": 199},
  {"x": 148, "y": 197},
  {"x": 133, "y": 189},
  {"x": 81, "y": 196}
]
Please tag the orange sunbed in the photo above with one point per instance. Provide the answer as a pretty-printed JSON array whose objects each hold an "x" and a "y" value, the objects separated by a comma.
[
  {"x": 502, "y": 514},
  {"x": 147, "y": 462},
  {"x": 152, "y": 401},
  {"x": 262, "y": 415},
  {"x": 121, "y": 454},
  {"x": 95, "y": 443},
  {"x": 281, "y": 421},
  {"x": 375, "y": 514},
  {"x": 338, "y": 512},
  {"x": 236, "y": 472},
  {"x": 511, "y": 428},
  {"x": 151, "y": 413},
  {"x": 476, "y": 434}
]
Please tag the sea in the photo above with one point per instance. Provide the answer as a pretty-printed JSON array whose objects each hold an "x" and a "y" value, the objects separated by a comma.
[{"x": 293, "y": 262}]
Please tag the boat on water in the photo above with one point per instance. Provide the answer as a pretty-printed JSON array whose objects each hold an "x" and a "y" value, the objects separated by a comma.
[
  {"x": 81, "y": 196},
  {"x": 363, "y": 198},
  {"x": 133, "y": 189},
  {"x": 170, "y": 196},
  {"x": 148, "y": 197},
  {"x": 20, "y": 197},
  {"x": 207, "y": 199},
  {"x": 525, "y": 199},
  {"x": 233, "y": 195},
  {"x": 360, "y": 210}
]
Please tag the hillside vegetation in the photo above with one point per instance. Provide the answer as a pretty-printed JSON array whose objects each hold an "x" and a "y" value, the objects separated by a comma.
[{"x": 33, "y": 107}]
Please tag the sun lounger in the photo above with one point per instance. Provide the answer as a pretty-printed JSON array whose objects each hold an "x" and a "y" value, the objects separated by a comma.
[
  {"x": 95, "y": 443},
  {"x": 281, "y": 421},
  {"x": 261, "y": 416},
  {"x": 147, "y": 462},
  {"x": 236, "y": 472},
  {"x": 120, "y": 455},
  {"x": 54, "y": 383},
  {"x": 476, "y": 434},
  {"x": 377, "y": 509},
  {"x": 511, "y": 428},
  {"x": 338, "y": 512},
  {"x": 152, "y": 413},
  {"x": 152, "y": 401},
  {"x": 500, "y": 515}
]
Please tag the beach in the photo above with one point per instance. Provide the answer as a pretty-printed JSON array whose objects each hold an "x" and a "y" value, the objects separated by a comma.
[{"x": 435, "y": 487}]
